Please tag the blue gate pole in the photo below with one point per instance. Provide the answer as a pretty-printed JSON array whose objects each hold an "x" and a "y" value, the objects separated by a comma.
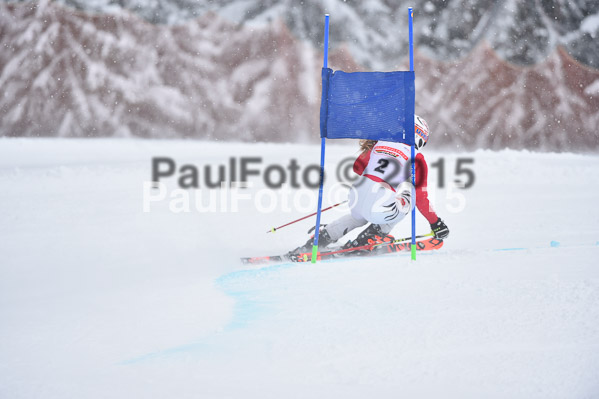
[
  {"x": 413, "y": 246},
  {"x": 322, "y": 148}
]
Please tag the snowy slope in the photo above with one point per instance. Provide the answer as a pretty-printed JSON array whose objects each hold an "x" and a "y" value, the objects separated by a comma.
[{"x": 101, "y": 299}]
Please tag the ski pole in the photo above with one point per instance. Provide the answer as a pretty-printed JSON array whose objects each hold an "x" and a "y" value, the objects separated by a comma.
[
  {"x": 305, "y": 217},
  {"x": 431, "y": 234}
]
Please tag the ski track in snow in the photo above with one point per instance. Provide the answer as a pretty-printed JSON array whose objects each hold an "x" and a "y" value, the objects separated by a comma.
[{"x": 98, "y": 298}]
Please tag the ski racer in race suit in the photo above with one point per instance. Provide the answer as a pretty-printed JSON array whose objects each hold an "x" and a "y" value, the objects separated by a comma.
[{"x": 383, "y": 195}]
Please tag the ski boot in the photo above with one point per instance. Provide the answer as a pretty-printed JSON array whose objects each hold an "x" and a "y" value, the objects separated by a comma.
[
  {"x": 372, "y": 235},
  {"x": 323, "y": 240}
]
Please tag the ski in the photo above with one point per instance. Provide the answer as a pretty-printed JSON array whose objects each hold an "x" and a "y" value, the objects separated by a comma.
[{"x": 400, "y": 245}]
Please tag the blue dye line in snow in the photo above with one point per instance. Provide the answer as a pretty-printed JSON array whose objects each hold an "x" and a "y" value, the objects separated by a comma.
[
  {"x": 222, "y": 280},
  {"x": 510, "y": 249},
  {"x": 552, "y": 244},
  {"x": 248, "y": 307},
  {"x": 194, "y": 346},
  {"x": 249, "y": 304}
]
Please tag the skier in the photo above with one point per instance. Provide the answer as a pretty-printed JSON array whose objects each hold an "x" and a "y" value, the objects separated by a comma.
[{"x": 383, "y": 195}]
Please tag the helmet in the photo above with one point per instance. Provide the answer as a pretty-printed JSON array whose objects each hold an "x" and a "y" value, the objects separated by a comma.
[{"x": 420, "y": 132}]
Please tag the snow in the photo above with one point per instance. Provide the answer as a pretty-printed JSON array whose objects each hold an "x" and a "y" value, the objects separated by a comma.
[
  {"x": 590, "y": 25},
  {"x": 592, "y": 89},
  {"x": 100, "y": 299}
]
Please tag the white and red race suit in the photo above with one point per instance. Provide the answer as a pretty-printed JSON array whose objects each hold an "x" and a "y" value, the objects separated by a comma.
[
  {"x": 375, "y": 197},
  {"x": 369, "y": 164}
]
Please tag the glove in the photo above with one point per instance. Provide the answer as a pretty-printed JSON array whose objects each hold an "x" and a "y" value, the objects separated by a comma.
[{"x": 440, "y": 229}]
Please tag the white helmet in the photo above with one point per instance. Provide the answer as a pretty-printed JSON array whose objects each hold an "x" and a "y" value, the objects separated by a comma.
[{"x": 420, "y": 132}]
